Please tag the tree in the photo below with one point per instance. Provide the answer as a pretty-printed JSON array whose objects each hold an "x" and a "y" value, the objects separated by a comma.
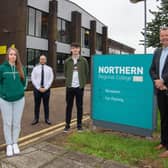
[{"x": 153, "y": 27}]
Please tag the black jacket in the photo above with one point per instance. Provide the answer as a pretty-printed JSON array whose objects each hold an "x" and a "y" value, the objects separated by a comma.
[{"x": 154, "y": 69}]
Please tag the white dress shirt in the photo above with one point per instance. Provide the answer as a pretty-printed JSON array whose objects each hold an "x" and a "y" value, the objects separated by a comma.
[
  {"x": 36, "y": 76},
  {"x": 163, "y": 57}
]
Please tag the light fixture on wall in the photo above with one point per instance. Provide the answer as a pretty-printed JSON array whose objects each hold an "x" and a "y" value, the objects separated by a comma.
[{"x": 5, "y": 30}]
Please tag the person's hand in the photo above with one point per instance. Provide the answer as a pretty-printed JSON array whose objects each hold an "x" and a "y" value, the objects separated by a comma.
[
  {"x": 159, "y": 84},
  {"x": 163, "y": 88},
  {"x": 42, "y": 90}
]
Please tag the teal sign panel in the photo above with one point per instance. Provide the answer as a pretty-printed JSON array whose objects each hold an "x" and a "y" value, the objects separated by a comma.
[{"x": 122, "y": 90}]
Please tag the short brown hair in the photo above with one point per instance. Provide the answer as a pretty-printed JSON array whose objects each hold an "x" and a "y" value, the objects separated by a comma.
[
  {"x": 163, "y": 28},
  {"x": 75, "y": 44}
]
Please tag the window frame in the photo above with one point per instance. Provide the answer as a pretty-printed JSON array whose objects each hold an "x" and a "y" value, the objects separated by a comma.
[
  {"x": 35, "y": 22},
  {"x": 59, "y": 34}
]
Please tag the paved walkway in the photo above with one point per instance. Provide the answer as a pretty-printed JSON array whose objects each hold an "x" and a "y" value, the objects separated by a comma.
[{"x": 48, "y": 155}]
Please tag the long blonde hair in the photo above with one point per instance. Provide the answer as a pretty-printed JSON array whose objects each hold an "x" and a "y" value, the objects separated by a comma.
[{"x": 18, "y": 63}]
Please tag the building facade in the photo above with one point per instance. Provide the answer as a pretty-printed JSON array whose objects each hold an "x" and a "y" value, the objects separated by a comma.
[
  {"x": 49, "y": 27},
  {"x": 119, "y": 48}
]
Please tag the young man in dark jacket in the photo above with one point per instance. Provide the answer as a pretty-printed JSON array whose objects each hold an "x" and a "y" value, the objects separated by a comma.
[{"x": 76, "y": 71}]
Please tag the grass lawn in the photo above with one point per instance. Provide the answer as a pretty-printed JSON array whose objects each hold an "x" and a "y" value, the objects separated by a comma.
[{"x": 129, "y": 150}]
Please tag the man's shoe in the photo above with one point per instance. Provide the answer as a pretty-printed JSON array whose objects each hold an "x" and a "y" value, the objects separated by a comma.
[
  {"x": 159, "y": 147},
  {"x": 66, "y": 129},
  {"x": 9, "y": 151},
  {"x": 164, "y": 154},
  {"x": 48, "y": 122},
  {"x": 16, "y": 149},
  {"x": 80, "y": 129},
  {"x": 34, "y": 122}
]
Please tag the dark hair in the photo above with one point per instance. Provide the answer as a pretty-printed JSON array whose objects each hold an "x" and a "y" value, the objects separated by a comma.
[
  {"x": 75, "y": 44},
  {"x": 18, "y": 62}
]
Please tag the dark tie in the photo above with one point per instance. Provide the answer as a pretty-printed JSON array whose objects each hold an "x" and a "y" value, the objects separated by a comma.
[{"x": 42, "y": 76}]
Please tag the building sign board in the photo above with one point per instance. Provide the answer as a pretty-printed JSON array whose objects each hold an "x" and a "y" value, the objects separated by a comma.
[{"x": 122, "y": 93}]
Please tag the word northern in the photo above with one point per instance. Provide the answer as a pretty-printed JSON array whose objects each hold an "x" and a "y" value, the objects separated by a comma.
[{"x": 125, "y": 70}]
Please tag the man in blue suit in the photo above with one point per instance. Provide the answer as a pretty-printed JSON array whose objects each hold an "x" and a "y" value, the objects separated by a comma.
[{"x": 159, "y": 75}]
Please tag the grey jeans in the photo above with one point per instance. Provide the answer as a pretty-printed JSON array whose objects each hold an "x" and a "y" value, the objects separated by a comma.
[{"x": 11, "y": 115}]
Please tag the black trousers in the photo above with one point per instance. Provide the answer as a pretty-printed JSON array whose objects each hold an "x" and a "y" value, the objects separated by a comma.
[
  {"x": 37, "y": 99},
  {"x": 72, "y": 93},
  {"x": 162, "y": 99}
]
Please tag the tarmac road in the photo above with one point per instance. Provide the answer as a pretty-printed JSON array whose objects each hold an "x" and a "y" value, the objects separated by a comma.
[{"x": 57, "y": 111}]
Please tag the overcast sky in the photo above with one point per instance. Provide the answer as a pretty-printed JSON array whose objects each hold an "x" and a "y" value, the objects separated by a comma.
[{"x": 125, "y": 20}]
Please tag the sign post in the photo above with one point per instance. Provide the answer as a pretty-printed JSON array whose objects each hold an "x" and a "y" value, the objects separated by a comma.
[{"x": 122, "y": 93}]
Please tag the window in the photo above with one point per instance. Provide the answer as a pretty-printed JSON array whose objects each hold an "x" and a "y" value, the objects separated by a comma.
[
  {"x": 33, "y": 58},
  {"x": 37, "y": 23},
  {"x": 85, "y": 37},
  {"x": 59, "y": 29},
  {"x": 44, "y": 33},
  {"x": 60, "y": 63},
  {"x": 31, "y": 30},
  {"x": 114, "y": 51},
  {"x": 63, "y": 31},
  {"x": 99, "y": 42},
  {"x": 27, "y": 25}
]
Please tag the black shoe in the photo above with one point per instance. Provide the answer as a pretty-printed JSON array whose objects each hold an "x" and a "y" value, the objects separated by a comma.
[
  {"x": 66, "y": 129},
  {"x": 48, "y": 122},
  {"x": 80, "y": 129},
  {"x": 34, "y": 122}
]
